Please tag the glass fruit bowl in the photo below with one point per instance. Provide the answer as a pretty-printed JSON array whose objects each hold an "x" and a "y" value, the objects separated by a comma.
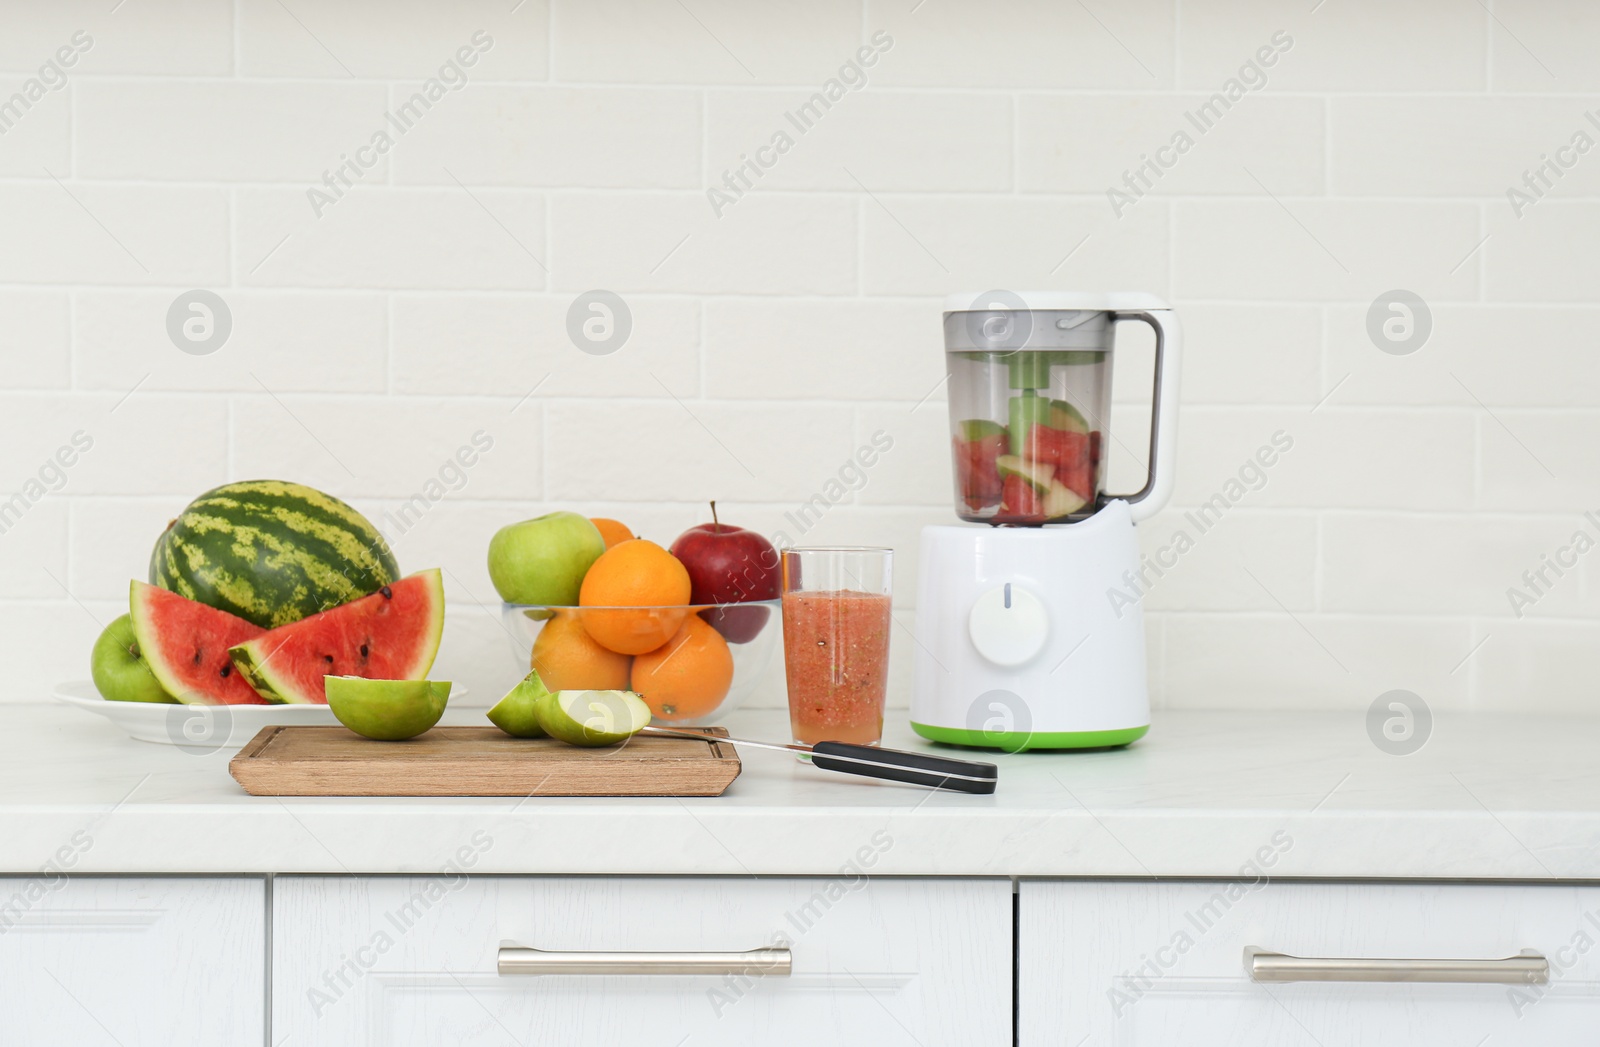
[{"x": 692, "y": 663}]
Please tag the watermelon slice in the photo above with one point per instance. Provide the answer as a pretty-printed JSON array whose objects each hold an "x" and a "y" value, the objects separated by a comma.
[
  {"x": 976, "y": 474},
  {"x": 1022, "y": 502},
  {"x": 391, "y": 635},
  {"x": 186, "y": 643}
]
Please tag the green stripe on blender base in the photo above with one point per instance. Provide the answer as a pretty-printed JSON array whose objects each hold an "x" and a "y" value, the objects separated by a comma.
[{"x": 1017, "y": 741}]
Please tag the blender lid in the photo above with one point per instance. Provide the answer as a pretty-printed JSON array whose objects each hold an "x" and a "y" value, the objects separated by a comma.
[{"x": 1105, "y": 301}]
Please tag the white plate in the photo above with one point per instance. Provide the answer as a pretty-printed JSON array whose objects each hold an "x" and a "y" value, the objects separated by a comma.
[{"x": 195, "y": 728}]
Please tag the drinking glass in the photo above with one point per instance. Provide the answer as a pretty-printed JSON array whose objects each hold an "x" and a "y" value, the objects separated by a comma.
[{"x": 836, "y": 625}]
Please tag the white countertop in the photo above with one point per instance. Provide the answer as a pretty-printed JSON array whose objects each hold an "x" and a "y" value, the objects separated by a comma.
[{"x": 1489, "y": 796}]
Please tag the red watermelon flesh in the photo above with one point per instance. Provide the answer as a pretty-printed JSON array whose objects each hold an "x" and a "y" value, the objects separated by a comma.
[
  {"x": 392, "y": 634},
  {"x": 186, "y": 643},
  {"x": 1021, "y": 503},
  {"x": 976, "y": 472}
]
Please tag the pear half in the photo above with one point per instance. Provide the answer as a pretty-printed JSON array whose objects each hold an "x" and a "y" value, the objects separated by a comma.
[
  {"x": 387, "y": 710},
  {"x": 515, "y": 713},
  {"x": 592, "y": 718}
]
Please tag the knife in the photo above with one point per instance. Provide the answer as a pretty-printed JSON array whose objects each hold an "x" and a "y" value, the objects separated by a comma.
[{"x": 895, "y": 765}]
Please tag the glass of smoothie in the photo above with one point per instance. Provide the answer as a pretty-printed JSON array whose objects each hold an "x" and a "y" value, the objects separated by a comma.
[{"x": 836, "y": 642}]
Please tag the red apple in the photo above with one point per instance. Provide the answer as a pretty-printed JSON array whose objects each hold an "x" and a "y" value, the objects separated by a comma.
[{"x": 729, "y": 565}]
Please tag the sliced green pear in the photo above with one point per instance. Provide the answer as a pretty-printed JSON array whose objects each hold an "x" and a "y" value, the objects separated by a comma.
[
  {"x": 1037, "y": 474},
  {"x": 515, "y": 714},
  {"x": 592, "y": 718},
  {"x": 387, "y": 710},
  {"x": 980, "y": 428},
  {"x": 1061, "y": 500},
  {"x": 1066, "y": 417}
]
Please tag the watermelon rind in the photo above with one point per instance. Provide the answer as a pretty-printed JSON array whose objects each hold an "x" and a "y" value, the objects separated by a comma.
[
  {"x": 167, "y": 650},
  {"x": 274, "y": 662},
  {"x": 271, "y": 552},
  {"x": 254, "y": 675}
]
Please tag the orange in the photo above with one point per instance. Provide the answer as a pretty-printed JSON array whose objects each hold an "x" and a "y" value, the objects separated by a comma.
[
  {"x": 635, "y": 578},
  {"x": 566, "y": 659},
  {"x": 688, "y": 676},
  {"x": 615, "y": 532}
]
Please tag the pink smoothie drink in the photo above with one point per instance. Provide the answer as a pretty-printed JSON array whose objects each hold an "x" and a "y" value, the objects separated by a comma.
[{"x": 836, "y": 659}]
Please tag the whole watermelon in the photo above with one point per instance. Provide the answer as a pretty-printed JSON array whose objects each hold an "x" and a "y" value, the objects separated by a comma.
[{"x": 271, "y": 552}]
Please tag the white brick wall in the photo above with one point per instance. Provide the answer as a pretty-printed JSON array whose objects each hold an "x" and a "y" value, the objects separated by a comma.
[{"x": 575, "y": 152}]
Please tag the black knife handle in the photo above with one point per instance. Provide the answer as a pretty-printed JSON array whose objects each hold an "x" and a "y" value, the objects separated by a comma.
[{"x": 895, "y": 765}]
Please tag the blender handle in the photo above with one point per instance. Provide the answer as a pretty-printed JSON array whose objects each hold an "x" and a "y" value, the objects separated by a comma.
[{"x": 1145, "y": 502}]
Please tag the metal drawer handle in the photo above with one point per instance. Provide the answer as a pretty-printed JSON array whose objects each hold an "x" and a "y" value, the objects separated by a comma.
[
  {"x": 516, "y": 959},
  {"x": 1526, "y": 968}
]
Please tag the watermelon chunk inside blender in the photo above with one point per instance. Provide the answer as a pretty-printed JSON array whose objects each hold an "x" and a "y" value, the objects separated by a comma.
[
  {"x": 1068, "y": 452},
  {"x": 978, "y": 449},
  {"x": 1022, "y": 502}
]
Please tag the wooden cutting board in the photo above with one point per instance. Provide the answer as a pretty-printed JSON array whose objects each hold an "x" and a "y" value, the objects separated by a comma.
[{"x": 478, "y": 761}]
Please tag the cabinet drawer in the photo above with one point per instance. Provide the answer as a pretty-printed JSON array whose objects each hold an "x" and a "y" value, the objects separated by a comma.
[
  {"x": 413, "y": 960},
  {"x": 151, "y": 962},
  {"x": 1141, "y": 965}
]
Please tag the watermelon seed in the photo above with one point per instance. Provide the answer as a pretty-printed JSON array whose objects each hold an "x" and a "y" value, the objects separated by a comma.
[
  {"x": 226, "y": 669},
  {"x": 329, "y": 658},
  {"x": 197, "y": 654},
  {"x": 363, "y": 650},
  {"x": 388, "y": 593}
]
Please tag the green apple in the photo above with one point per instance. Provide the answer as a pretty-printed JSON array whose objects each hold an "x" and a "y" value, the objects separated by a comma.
[
  {"x": 515, "y": 713},
  {"x": 387, "y": 710},
  {"x": 120, "y": 672},
  {"x": 592, "y": 718},
  {"x": 543, "y": 560}
]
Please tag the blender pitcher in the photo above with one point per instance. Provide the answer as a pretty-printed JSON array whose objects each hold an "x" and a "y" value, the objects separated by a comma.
[{"x": 1030, "y": 396}]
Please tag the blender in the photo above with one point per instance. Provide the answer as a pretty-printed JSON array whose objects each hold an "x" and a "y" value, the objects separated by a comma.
[{"x": 1027, "y": 635}]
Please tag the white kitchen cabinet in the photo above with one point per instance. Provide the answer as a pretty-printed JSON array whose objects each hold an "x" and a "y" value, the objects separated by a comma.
[
  {"x": 404, "y": 961},
  {"x": 130, "y": 962},
  {"x": 1162, "y": 964}
]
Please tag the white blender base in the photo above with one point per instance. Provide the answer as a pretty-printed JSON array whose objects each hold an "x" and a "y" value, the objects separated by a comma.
[{"x": 1031, "y": 637}]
